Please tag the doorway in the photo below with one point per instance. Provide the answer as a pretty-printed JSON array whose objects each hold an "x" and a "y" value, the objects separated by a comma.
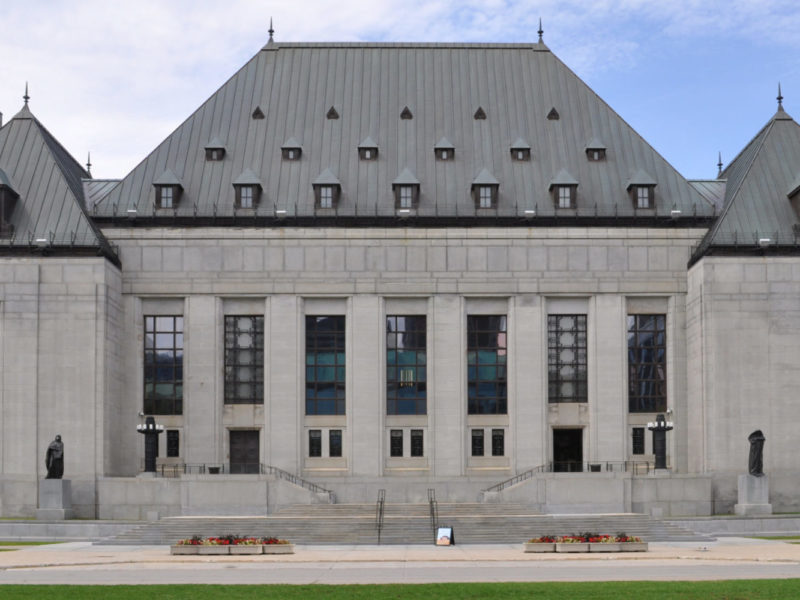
[
  {"x": 244, "y": 451},
  {"x": 567, "y": 450}
]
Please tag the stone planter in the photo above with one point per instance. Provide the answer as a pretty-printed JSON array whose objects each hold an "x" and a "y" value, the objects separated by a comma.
[
  {"x": 188, "y": 549},
  {"x": 206, "y": 550},
  {"x": 574, "y": 547},
  {"x": 607, "y": 547},
  {"x": 539, "y": 547},
  {"x": 245, "y": 549},
  {"x": 278, "y": 548},
  {"x": 633, "y": 547}
]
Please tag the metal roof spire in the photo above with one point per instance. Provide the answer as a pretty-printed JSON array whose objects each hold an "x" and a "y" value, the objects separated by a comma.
[
  {"x": 780, "y": 97},
  {"x": 89, "y": 163},
  {"x": 719, "y": 164},
  {"x": 26, "y": 97},
  {"x": 541, "y": 31},
  {"x": 271, "y": 31}
]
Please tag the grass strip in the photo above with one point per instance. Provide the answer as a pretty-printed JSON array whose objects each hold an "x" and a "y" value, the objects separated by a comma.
[
  {"x": 761, "y": 589},
  {"x": 8, "y": 543}
]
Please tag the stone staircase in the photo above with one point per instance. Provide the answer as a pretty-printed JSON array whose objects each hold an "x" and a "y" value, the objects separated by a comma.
[{"x": 403, "y": 524}]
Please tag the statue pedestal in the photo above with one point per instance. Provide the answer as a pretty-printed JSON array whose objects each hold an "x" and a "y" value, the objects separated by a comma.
[
  {"x": 55, "y": 500},
  {"x": 753, "y": 496}
]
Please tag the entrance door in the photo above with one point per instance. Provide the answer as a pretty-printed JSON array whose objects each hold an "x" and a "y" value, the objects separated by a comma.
[
  {"x": 244, "y": 451},
  {"x": 567, "y": 450}
]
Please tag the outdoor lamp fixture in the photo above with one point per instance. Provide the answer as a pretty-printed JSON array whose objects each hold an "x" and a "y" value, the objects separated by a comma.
[
  {"x": 280, "y": 213},
  {"x": 151, "y": 432},
  {"x": 675, "y": 213},
  {"x": 530, "y": 213},
  {"x": 660, "y": 429},
  {"x": 764, "y": 242},
  {"x": 403, "y": 212},
  {"x": 42, "y": 242}
]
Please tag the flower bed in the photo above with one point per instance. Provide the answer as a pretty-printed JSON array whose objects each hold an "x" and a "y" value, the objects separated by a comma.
[
  {"x": 586, "y": 542},
  {"x": 230, "y": 544}
]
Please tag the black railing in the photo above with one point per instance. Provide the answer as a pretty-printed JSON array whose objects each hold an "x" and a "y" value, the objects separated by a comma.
[
  {"x": 379, "y": 512},
  {"x": 178, "y": 469},
  {"x": 433, "y": 509},
  {"x": 636, "y": 467}
]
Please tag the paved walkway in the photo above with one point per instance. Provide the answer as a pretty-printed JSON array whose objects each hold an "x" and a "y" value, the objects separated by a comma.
[{"x": 81, "y": 562}]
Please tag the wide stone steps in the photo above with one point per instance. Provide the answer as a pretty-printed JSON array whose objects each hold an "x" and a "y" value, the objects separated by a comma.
[{"x": 404, "y": 524}]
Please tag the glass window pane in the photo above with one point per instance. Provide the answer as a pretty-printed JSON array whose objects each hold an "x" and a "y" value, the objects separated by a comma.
[
  {"x": 647, "y": 363},
  {"x": 486, "y": 355},
  {"x": 406, "y": 339},
  {"x": 566, "y": 356}
]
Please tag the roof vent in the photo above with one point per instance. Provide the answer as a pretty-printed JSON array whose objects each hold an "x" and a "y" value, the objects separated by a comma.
[
  {"x": 553, "y": 115},
  {"x": 332, "y": 114},
  {"x": 406, "y": 114},
  {"x": 480, "y": 115},
  {"x": 257, "y": 113}
]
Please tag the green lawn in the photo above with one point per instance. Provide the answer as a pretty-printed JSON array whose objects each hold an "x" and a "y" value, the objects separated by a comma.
[
  {"x": 678, "y": 590},
  {"x": 8, "y": 543}
]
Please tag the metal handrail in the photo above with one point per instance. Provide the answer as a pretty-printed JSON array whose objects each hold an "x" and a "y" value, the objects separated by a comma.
[
  {"x": 637, "y": 467},
  {"x": 379, "y": 512},
  {"x": 178, "y": 469},
  {"x": 433, "y": 509}
]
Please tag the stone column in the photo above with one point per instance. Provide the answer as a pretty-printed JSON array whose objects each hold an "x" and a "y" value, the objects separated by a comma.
[
  {"x": 366, "y": 403},
  {"x": 285, "y": 374},
  {"x": 446, "y": 394}
]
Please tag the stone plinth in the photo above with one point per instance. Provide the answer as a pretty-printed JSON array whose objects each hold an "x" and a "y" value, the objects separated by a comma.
[
  {"x": 753, "y": 496},
  {"x": 55, "y": 500}
]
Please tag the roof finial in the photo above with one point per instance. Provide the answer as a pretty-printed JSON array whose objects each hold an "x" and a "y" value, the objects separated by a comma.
[
  {"x": 26, "y": 97},
  {"x": 89, "y": 163},
  {"x": 271, "y": 31},
  {"x": 719, "y": 165},
  {"x": 780, "y": 97},
  {"x": 541, "y": 31}
]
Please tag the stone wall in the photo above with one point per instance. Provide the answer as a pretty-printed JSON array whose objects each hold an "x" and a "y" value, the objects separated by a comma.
[{"x": 59, "y": 326}]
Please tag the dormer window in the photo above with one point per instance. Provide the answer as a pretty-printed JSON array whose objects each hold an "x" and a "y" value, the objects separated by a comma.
[
  {"x": 165, "y": 196},
  {"x": 246, "y": 196},
  {"x": 564, "y": 196},
  {"x": 291, "y": 150},
  {"x": 444, "y": 150},
  {"x": 168, "y": 190},
  {"x": 327, "y": 190},
  {"x": 564, "y": 188},
  {"x": 8, "y": 201},
  {"x": 485, "y": 197},
  {"x": 406, "y": 191},
  {"x": 485, "y": 190},
  {"x": 520, "y": 151},
  {"x": 596, "y": 155},
  {"x": 215, "y": 150},
  {"x": 247, "y": 188},
  {"x": 326, "y": 196},
  {"x": 644, "y": 196},
  {"x": 595, "y": 150},
  {"x": 368, "y": 150},
  {"x": 642, "y": 190}
]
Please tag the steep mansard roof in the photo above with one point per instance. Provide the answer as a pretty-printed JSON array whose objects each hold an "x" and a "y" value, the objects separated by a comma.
[
  {"x": 49, "y": 183},
  {"x": 759, "y": 181},
  {"x": 293, "y": 86}
]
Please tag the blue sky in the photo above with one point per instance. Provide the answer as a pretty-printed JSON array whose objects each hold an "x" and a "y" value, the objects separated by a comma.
[{"x": 692, "y": 77}]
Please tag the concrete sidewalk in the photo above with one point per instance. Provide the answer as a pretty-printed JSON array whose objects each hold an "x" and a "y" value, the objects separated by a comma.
[{"x": 81, "y": 562}]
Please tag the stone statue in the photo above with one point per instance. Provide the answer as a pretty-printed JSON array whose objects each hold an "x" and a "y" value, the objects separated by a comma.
[
  {"x": 54, "y": 460},
  {"x": 756, "y": 462}
]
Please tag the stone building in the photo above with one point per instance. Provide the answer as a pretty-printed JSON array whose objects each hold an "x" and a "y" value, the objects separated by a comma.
[{"x": 399, "y": 266}]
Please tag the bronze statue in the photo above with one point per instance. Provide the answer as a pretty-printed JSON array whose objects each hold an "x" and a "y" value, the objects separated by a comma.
[
  {"x": 756, "y": 462},
  {"x": 54, "y": 460}
]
